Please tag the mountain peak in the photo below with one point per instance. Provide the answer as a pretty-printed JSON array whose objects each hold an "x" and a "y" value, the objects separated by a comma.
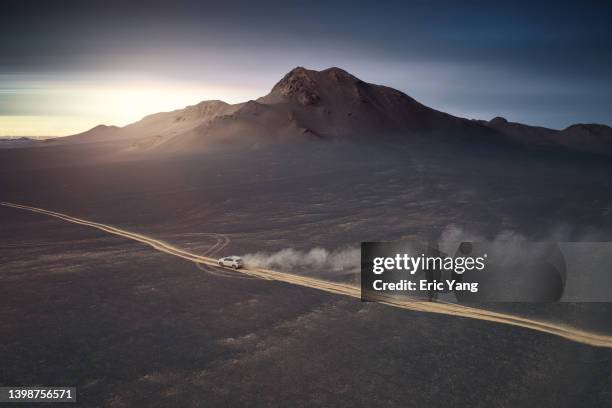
[
  {"x": 588, "y": 128},
  {"x": 298, "y": 84},
  {"x": 498, "y": 120},
  {"x": 308, "y": 87},
  {"x": 103, "y": 127},
  {"x": 339, "y": 74}
]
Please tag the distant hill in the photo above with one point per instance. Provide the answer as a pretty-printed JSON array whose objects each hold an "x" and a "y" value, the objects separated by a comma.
[
  {"x": 96, "y": 134},
  {"x": 21, "y": 141}
]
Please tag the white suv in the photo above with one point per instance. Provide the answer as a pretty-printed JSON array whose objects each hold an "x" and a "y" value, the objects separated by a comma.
[{"x": 231, "y": 261}]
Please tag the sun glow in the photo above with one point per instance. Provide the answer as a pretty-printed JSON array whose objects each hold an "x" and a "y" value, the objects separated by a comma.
[{"x": 61, "y": 109}]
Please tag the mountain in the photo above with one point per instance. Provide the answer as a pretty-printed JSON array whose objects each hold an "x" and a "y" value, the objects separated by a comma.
[
  {"x": 335, "y": 103},
  {"x": 329, "y": 104},
  {"x": 586, "y": 137},
  {"x": 524, "y": 134},
  {"x": 98, "y": 133},
  {"x": 23, "y": 141}
]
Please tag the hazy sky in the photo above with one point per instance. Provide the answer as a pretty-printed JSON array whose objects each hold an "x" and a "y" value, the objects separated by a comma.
[{"x": 66, "y": 66}]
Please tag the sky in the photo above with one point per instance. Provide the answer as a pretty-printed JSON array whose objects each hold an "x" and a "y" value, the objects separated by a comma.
[{"x": 66, "y": 66}]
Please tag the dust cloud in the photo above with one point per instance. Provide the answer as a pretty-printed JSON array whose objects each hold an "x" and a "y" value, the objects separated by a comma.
[{"x": 342, "y": 260}]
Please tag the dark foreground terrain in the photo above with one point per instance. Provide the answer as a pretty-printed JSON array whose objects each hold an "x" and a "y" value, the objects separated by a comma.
[{"x": 129, "y": 326}]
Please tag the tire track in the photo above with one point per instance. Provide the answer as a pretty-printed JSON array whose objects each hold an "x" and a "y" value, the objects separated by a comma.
[
  {"x": 564, "y": 331},
  {"x": 222, "y": 241}
]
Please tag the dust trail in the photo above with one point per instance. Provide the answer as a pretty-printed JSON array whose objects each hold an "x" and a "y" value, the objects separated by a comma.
[
  {"x": 564, "y": 331},
  {"x": 342, "y": 260}
]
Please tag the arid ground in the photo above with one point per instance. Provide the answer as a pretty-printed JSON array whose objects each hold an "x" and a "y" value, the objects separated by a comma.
[{"x": 129, "y": 326}]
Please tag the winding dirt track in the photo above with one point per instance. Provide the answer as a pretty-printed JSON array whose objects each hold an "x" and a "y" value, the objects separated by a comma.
[{"x": 567, "y": 332}]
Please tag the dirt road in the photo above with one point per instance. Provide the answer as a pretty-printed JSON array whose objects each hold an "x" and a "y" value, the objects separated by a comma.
[{"x": 567, "y": 332}]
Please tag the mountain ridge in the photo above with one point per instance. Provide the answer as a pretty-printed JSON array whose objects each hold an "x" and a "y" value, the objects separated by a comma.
[{"x": 330, "y": 104}]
